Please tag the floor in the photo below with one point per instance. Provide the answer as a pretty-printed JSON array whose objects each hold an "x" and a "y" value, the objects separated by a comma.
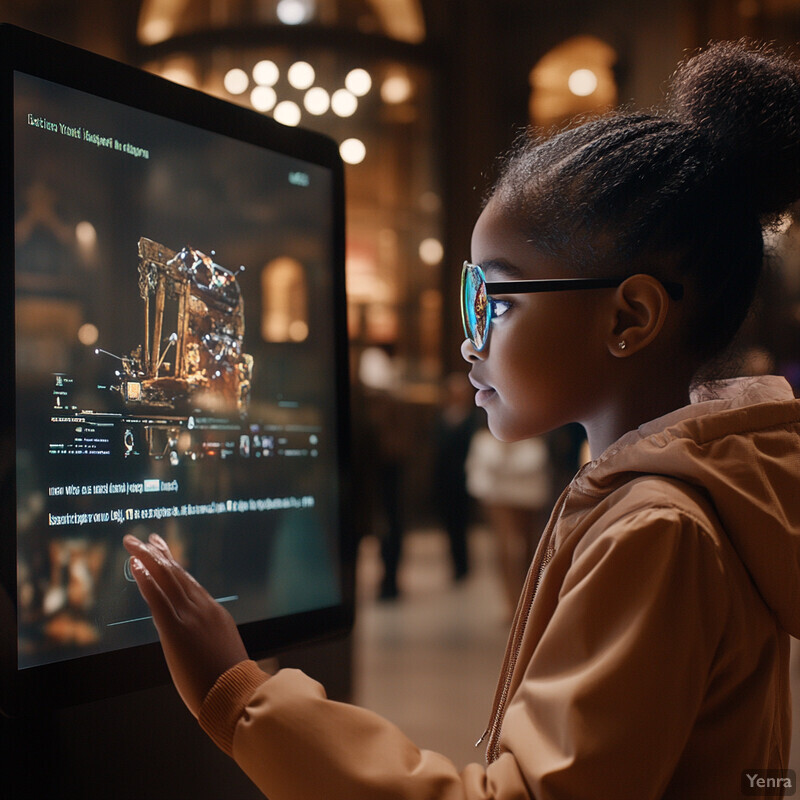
[{"x": 429, "y": 661}]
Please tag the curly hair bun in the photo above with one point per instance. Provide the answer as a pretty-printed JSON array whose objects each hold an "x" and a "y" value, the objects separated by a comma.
[{"x": 745, "y": 98}]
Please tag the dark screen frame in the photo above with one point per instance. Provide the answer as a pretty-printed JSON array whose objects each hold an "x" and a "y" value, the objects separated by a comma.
[{"x": 93, "y": 677}]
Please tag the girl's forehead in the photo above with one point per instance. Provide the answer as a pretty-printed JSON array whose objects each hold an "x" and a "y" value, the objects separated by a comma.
[
  {"x": 494, "y": 233},
  {"x": 492, "y": 222},
  {"x": 502, "y": 248}
]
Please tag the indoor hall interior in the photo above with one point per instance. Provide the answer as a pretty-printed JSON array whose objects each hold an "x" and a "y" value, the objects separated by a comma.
[
  {"x": 429, "y": 660},
  {"x": 422, "y": 122}
]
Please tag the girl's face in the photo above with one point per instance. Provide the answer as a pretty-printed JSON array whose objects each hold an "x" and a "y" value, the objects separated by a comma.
[{"x": 546, "y": 358}]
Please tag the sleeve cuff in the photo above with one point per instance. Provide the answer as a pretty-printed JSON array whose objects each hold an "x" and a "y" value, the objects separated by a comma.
[{"x": 224, "y": 704}]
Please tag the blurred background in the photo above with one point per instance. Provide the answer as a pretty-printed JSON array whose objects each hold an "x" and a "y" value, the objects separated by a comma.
[{"x": 421, "y": 95}]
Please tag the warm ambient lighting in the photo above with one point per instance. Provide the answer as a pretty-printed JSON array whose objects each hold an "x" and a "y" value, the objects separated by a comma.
[
  {"x": 352, "y": 151},
  {"x": 287, "y": 113},
  {"x": 178, "y": 74},
  {"x": 431, "y": 252},
  {"x": 295, "y": 12},
  {"x": 358, "y": 82},
  {"x": 265, "y": 93},
  {"x": 266, "y": 73},
  {"x": 86, "y": 234},
  {"x": 298, "y": 330},
  {"x": 88, "y": 334},
  {"x": 263, "y": 98},
  {"x": 582, "y": 82},
  {"x": 301, "y": 75},
  {"x": 236, "y": 81},
  {"x": 396, "y": 89},
  {"x": 430, "y": 202},
  {"x": 156, "y": 30},
  {"x": 343, "y": 103},
  {"x": 317, "y": 101}
]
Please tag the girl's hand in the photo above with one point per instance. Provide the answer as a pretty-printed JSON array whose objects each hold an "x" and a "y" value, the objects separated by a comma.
[{"x": 199, "y": 637}]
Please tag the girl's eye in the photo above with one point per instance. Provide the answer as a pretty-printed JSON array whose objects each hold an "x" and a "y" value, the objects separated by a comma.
[{"x": 499, "y": 307}]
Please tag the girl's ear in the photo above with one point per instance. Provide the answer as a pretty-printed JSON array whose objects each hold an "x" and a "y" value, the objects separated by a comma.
[{"x": 640, "y": 308}]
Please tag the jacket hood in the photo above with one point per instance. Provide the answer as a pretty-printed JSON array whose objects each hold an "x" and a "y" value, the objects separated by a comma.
[{"x": 739, "y": 443}]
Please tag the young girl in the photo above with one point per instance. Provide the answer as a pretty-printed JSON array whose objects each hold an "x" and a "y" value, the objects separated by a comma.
[{"x": 649, "y": 653}]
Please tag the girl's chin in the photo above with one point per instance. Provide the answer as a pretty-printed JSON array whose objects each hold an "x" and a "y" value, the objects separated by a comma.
[
  {"x": 506, "y": 431},
  {"x": 500, "y": 431}
]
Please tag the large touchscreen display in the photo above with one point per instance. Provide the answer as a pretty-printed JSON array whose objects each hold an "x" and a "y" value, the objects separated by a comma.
[{"x": 175, "y": 369}]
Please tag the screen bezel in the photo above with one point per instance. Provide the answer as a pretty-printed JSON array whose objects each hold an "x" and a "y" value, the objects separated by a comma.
[{"x": 94, "y": 677}]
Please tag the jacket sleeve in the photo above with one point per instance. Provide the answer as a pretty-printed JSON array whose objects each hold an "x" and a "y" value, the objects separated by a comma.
[
  {"x": 294, "y": 744},
  {"x": 606, "y": 704}
]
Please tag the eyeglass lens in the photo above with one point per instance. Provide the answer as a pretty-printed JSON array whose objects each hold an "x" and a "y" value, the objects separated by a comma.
[{"x": 475, "y": 309}]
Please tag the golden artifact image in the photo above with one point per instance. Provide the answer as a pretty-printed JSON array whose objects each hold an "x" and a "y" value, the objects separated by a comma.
[{"x": 200, "y": 362}]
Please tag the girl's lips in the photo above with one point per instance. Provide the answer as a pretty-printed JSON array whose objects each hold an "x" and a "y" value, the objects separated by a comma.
[
  {"x": 483, "y": 396},
  {"x": 484, "y": 393}
]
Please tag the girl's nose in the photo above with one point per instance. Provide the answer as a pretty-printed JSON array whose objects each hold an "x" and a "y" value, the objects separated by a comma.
[{"x": 469, "y": 353}]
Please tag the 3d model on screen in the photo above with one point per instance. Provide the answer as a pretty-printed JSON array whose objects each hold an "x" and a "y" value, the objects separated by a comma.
[{"x": 193, "y": 334}]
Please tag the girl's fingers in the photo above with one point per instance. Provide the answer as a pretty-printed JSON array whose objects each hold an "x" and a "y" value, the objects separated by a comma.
[
  {"x": 178, "y": 584},
  {"x": 154, "y": 597},
  {"x": 190, "y": 583},
  {"x": 163, "y": 570},
  {"x": 198, "y": 636},
  {"x": 159, "y": 543}
]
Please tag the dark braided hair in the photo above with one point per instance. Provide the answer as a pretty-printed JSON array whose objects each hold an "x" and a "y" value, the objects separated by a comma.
[{"x": 681, "y": 193}]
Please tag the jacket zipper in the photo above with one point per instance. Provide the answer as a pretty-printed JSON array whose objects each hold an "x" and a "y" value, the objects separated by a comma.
[{"x": 515, "y": 641}]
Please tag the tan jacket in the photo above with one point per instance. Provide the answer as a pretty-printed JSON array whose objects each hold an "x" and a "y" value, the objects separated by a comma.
[{"x": 649, "y": 656}]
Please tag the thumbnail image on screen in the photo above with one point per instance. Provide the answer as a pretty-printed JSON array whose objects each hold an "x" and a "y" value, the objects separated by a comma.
[{"x": 175, "y": 369}]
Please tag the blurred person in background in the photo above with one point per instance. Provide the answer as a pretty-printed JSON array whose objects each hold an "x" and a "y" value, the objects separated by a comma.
[
  {"x": 387, "y": 440},
  {"x": 512, "y": 483},
  {"x": 455, "y": 424}
]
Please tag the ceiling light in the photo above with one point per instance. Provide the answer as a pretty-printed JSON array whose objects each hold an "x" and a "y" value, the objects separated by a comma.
[
  {"x": 301, "y": 75},
  {"x": 266, "y": 73},
  {"x": 582, "y": 82},
  {"x": 396, "y": 89},
  {"x": 287, "y": 113},
  {"x": 317, "y": 101},
  {"x": 294, "y": 12},
  {"x": 352, "y": 151},
  {"x": 431, "y": 252},
  {"x": 343, "y": 103},
  {"x": 236, "y": 81},
  {"x": 263, "y": 98},
  {"x": 358, "y": 81}
]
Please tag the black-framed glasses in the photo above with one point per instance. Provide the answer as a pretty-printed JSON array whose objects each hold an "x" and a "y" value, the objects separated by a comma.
[{"x": 476, "y": 307}]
